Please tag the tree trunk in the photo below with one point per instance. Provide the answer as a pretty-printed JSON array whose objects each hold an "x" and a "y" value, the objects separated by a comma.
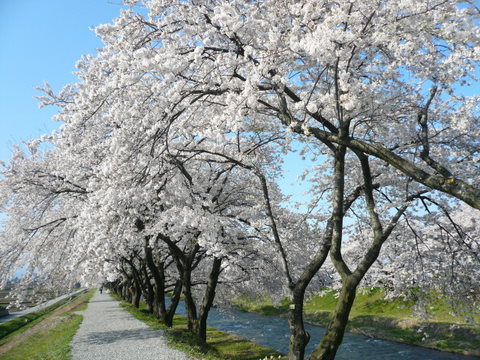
[
  {"x": 136, "y": 292},
  {"x": 189, "y": 301},
  {"x": 336, "y": 328},
  {"x": 173, "y": 305},
  {"x": 299, "y": 338},
  {"x": 127, "y": 291},
  {"x": 184, "y": 266},
  {"x": 150, "y": 293},
  {"x": 136, "y": 297},
  {"x": 159, "y": 279},
  {"x": 208, "y": 299}
]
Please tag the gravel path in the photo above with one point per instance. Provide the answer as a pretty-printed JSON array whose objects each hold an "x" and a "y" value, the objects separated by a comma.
[{"x": 108, "y": 332}]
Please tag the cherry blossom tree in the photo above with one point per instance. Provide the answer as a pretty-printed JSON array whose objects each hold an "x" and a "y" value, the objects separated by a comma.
[
  {"x": 41, "y": 208},
  {"x": 369, "y": 67},
  {"x": 173, "y": 135},
  {"x": 345, "y": 74},
  {"x": 432, "y": 252}
]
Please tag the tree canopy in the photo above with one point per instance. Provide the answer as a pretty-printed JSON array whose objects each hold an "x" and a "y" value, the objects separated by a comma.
[{"x": 163, "y": 175}]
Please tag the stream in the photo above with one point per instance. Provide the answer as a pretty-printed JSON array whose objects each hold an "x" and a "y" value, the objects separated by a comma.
[{"x": 273, "y": 332}]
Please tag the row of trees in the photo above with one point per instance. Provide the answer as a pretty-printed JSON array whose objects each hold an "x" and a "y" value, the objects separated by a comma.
[{"x": 163, "y": 175}]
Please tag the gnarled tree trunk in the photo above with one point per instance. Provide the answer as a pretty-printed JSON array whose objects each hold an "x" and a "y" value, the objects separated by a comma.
[
  {"x": 208, "y": 299},
  {"x": 336, "y": 328},
  {"x": 173, "y": 305}
]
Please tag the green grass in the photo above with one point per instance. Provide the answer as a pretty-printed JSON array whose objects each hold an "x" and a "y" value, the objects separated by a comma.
[
  {"x": 263, "y": 305},
  {"x": 53, "y": 344},
  {"x": 85, "y": 299},
  {"x": 21, "y": 324},
  {"x": 18, "y": 325},
  {"x": 220, "y": 345},
  {"x": 15, "y": 324},
  {"x": 367, "y": 302}
]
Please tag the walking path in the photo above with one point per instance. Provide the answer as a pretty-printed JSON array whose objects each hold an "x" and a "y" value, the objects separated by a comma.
[{"x": 109, "y": 332}]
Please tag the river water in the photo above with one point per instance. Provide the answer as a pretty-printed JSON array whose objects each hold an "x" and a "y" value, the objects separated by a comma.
[{"x": 273, "y": 332}]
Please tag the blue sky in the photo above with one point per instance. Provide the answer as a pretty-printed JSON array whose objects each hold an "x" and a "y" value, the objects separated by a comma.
[{"x": 41, "y": 41}]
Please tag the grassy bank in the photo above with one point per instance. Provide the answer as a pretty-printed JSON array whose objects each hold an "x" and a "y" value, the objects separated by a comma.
[
  {"x": 48, "y": 335},
  {"x": 395, "y": 320},
  {"x": 23, "y": 323},
  {"x": 220, "y": 345}
]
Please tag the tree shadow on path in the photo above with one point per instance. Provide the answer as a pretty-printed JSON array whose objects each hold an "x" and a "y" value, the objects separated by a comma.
[{"x": 109, "y": 337}]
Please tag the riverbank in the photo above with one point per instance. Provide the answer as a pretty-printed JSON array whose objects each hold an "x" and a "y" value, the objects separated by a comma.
[
  {"x": 393, "y": 320},
  {"x": 455, "y": 338}
]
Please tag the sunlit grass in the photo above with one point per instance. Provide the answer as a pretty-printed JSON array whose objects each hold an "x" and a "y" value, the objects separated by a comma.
[
  {"x": 82, "y": 302},
  {"x": 21, "y": 324},
  {"x": 53, "y": 344},
  {"x": 263, "y": 305},
  {"x": 367, "y": 302},
  {"x": 24, "y": 322}
]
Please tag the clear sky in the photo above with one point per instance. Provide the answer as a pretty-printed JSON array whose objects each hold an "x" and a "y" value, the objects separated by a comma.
[{"x": 40, "y": 40}]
